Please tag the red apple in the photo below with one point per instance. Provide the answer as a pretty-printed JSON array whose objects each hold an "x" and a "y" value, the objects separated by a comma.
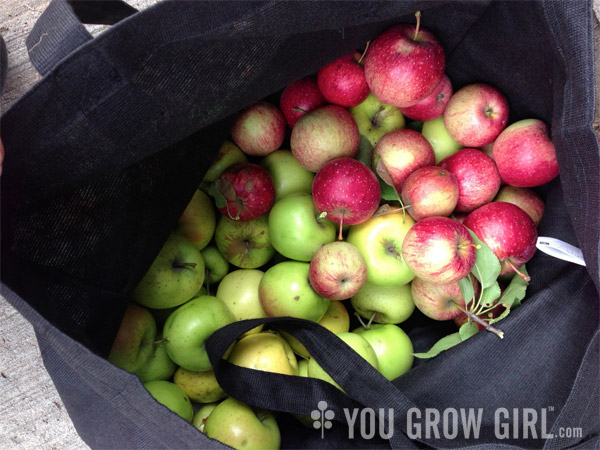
[
  {"x": 524, "y": 198},
  {"x": 300, "y": 97},
  {"x": 439, "y": 250},
  {"x": 324, "y": 134},
  {"x": 476, "y": 114},
  {"x": 259, "y": 129},
  {"x": 430, "y": 191},
  {"x": 343, "y": 81},
  {"x": 439, "y": 301},
  {"x": 507, "y": 230},
  {"x": 432, "y": 106},
  {"x": 248, "y": 191},
  {"x": 404, "y": 64},
  {"x": 399, "y": 153},
  {"x": 477, "y": 175},
  {"x": 525, "y": 155}
]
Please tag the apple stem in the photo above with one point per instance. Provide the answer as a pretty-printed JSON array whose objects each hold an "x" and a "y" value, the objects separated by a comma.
[
  {"x": 159, "y": 341},
  {"x": 184, "y": 265},
  {"x": 359, "y": 62},
  {"x": 522, "y": 275},
  {"x": 295, "y": 108},
  {"x": 418, "y": 16},
  {"x": 480, "y": 321},
  {"x": 477, "y": 246},
  {"x": 367, "y": 325},
  {"x": 340, "y": 236}
]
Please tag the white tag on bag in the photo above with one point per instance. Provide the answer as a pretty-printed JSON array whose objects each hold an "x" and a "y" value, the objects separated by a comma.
[{"x": 561, "y": 250}]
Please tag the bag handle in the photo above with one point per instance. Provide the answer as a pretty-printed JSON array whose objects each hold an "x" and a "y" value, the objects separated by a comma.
[{"x": 59, "y": 30}]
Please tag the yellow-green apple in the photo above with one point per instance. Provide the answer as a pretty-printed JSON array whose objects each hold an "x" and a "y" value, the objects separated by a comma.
[
  {"x": 170, "y": 395},
  {"x": 393, "y": 348},
  {"x": 289, "y": 177},
  {"x": 247, "y": 190},
  {"x": 432, "y": 106},
  {"x": 525, "y": 198},
  {"x": 525, "y": 154},
  {"x": 337, "y": 270},
  {"x": 133, "y": 344},
  {"x": 215, "y": 264},
  {"x": 285, "y": 290},
  {"x": 323, "y": 134},
  {"x": 379, "y": 239},
  {"x": 188, "y": 328},
  {"x": 404, "y": 64},
  {"x": 374, "y": 118},
  {"x": 399, "y": 153},
  {"x": 266, "y": 351},
  {"x": 238, "y": 425},
  {"x": 477, "y": 176},
  {"x": 246, "y": 245},
  {"x": 342, "y": 82},
  {"x": 296, "y": 229},
  {"x": 158, "y": 366},
  {"x": 227, "y": 155},
  {"x": 300, "y": 97},
  {"x": 384, "y": 304},
  {"x": 259, "y": 129},
  {"x": 508, "y": 231},
  {"x": 174, "y": 277},
  {"x": 439, "y": 249},
  {"x": 198, "y": 220},
  {"x": 200, "y": 386},
  {"x": 200, "y": 416},
  {"x": 430, "y": 191},
  {"x": 476, "y": 114},
  {"x": 442, "y": 143}
]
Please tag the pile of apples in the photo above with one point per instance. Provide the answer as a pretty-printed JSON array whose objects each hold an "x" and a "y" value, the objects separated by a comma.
[{"x": 395, "y": 193}]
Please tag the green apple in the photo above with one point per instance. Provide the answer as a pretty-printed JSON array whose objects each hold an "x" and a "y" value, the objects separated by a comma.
[
  {"x": 188, "y": 328},
  {"x": 307, "y": 421},
  {"x": 238, "y": 425},
  {"x": 171, "y": 396},
  {"x": 359, "y": 344},
  {"x": 285, "y": 290},
  {"x": 266, "y": 351},
  {"x": 239, "y": 291},
  {"x": 159, "y": 366},
  {"x": 392, "y": 346},
  {"x": 175, "y": 276},
  {"x": 289, "y": 177},
  {"x": 216, "y": 266},
  {"x": 303, "y": 367},
  {"x": 198, "y": 220},
  {"x": 202, "y": 414},
  {"x": 439, "y": 138},
  {"x": 227, "y": 155},
  {"x": 374, "y": 118},
  {"x": 384, "y": 304},
  {"x": 245, "y": 244},
  {"x": 296, "y": 229},
  {"x": 199, "y": 386},
  {"x": 133, "y": 343},
  {"x": 379, "y": 239}
]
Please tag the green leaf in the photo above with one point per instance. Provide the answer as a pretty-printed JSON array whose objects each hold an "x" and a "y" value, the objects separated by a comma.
[
  {"x": 467, "y": 330},
  {"x": 365, "y": 151},
  {"x": 500, "y": 317},
  {"x": 466, "y": 289},
  {"x": 487, "y": 266},
  {"x": 443, "y": 344},
  {"x": 388, "y": 192},
  {"x": 515, "y": 291},
  {"x": 490, "y": 294},
  {"x": 213, "y": 191}
]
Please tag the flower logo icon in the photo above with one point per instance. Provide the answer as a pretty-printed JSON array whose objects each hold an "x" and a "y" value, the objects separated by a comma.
[{"x": 322, "y": 417}]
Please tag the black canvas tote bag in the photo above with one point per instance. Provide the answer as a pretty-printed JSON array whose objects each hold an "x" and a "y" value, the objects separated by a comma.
[{"x": 104, "y": 153}]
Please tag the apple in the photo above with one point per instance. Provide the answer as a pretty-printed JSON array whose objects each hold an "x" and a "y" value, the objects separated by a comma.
[
  {"x": 430, "y": 191},
  {"x": 200, "y": 416},
  {"x": 133, "y": 344},
  {"x": 442, "y": 143},
  {"x": 288, "y": 176},
  {"x": 300, "y": 97},
  {"x": 399, "y": 153},
  {"x": 347, "y": 190},
  {"x": 175, "y": 276},
  {"x": 379, "y": 239},
  {"x": 266, "y": 351},
  {"x": 393, "y": 348},
  {"x": 432, "y": 106},
  {"x": 525, "y": 155},
  {"x": 404, "y": 64},
  {"x": 439, "y": 249},
  {"x": 507, "y": 230},
  {"x": 374, "y": 118},
  {"x": 384, "y": 304},
  {"x": 227, "y": 155},
  {"x": 477, "y": 175},
  {"x": 343, "y": 81},
  {"x": 197, "y": 222},
  {"x": 438, "y": 301},
  {"x": 215, "y": 264},
  {"x": 238, "y": 425},
  {"x": 189, "y": 326},
  {"x": 247, "y": 190},
  {"x": 259, "y": 129},
  {"x": 476, "y": 114},
  {"x": 524, "y": 198},
  {"x": 199, "y": 386},
  {"x": 246, "y": 245},
  {"x": 158, "y": 366},
  {"x": 285, "y": 290},
  {"x": 323, "y": 134},
  {"x": 296, "y": 229},
  {"x": 171, "y": 396}
]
